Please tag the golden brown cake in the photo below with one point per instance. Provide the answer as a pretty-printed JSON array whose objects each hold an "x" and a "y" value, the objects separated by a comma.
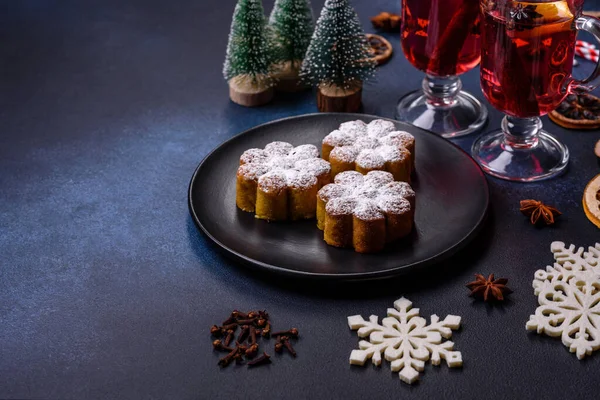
[
  {"x": 377, "y": 146},
  {"x": 365, "y": 211},
  {"x": 280, "y": 182}
]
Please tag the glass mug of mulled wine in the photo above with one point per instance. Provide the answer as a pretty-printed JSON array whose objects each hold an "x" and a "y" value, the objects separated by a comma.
[
  {"x": 526, "y": 62},
  {"x": 442, "y": 39}
]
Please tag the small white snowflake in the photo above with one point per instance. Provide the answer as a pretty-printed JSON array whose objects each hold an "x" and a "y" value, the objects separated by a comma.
[
  {"x": 569, "y": 298},
  {"x": 406, "y": 340}
]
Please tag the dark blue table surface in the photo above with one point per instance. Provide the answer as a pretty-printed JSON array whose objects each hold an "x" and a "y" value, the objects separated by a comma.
[{"x": 107, "y": 289}]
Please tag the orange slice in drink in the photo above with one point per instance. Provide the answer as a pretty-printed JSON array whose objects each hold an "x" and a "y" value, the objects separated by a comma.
[
  {"x": 591, "y": 201},
  {"x": 555, "y": 17},
  {"x": 553, "y": 12}
]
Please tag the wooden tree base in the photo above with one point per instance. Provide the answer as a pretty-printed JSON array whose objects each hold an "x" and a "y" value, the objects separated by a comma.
[
  {"x": 287, "y": 77},
  {"x": 250, "y": 91},
  {"x": 332, "y": 98}
]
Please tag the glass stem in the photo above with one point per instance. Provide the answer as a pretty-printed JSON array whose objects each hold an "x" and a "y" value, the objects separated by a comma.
[
  {"x": 521, "y": 133},
  {"x": 441, "y": 91}
]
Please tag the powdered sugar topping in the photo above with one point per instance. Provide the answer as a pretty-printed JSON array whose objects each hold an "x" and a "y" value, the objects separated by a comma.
[
  {"x": 345, "y": 154},
  {"x": 401, "y": 189},
  {"x": 369, "y": 145},
  {"x": 252, "y": 171},
  {"x": 300, "y": 180},
  {"x": 314, "y": 166},
  {"x": 380, "y": 128},
  {"x": 273, "y": 181},
  {"x": 340, "y": 138},
  {"x": 334, "y": 191},
  {"x": 367, "y": 197},
  {"x": 357, "y": 127},
  {"x": 370, "y": 159},
  {"x": 398, "y": 138},
  {"x": 280, "y": 165},
  {"x": 378, "y": 179},
  {"x": 367, "y": 210}
]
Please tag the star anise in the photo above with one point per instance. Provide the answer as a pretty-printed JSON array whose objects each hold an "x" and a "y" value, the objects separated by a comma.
[
  {"x": 538, "y": 211},
  {"x": 490, "y": 288}
]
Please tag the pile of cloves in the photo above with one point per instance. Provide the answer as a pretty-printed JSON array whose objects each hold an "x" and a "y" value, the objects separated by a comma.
[{"x": 253, "y": 325}]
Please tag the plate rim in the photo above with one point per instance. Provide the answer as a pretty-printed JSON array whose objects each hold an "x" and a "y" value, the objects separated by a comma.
[{"x": 354, "y": 276}]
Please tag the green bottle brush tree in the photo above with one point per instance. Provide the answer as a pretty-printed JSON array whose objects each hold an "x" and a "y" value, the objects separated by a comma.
[
  {"x": 337, "y": 61},
  {"x": 250, "y": 56},
  {"x": 291, "y": 24}
]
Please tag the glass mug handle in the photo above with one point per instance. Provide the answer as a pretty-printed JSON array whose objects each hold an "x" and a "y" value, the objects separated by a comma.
[{"x": 591, "y": 25}]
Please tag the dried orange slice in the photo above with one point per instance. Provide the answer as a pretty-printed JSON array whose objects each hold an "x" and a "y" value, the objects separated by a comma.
[
  {"x": 591, "y": 201},
  {"x": 381, "y": 48},
  {"x": 578, "y": 111}
]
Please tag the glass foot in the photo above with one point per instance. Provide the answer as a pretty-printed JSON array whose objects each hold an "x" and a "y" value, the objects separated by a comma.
[
  {"x": 442, "y": 108},
  {"x": 543, "y": 158}
]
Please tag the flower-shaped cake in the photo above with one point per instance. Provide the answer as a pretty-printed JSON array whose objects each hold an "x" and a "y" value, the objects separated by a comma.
[
  {"x": 356, "y": 146},
  {"x": 280, "y": 182},
  {"x": 365, "y": 211}
]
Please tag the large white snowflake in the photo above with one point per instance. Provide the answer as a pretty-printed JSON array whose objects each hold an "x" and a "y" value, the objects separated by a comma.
[
  {"x": 569, "y": 297},
  {"x": 405, "y": 339}
]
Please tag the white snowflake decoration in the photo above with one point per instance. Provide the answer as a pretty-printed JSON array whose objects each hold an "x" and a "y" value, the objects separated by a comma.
[
  {"x": 406, "y": 340},
  {"x": 569, "y": 298}
]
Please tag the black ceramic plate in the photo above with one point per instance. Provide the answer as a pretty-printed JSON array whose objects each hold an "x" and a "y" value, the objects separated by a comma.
[{"x": 452, "y": 200}]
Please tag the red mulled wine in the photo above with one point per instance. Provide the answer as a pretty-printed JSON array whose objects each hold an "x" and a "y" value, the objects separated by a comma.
[
  {"x": 527, "y": 55},
  {"x": 441, "y": 37}
]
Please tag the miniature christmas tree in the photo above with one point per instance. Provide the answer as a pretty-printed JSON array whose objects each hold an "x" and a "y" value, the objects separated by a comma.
[
  {"x": 249, "y": 56},
  {"x": 292, "y": 26},
  {"x": 338, "y": 59}
]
